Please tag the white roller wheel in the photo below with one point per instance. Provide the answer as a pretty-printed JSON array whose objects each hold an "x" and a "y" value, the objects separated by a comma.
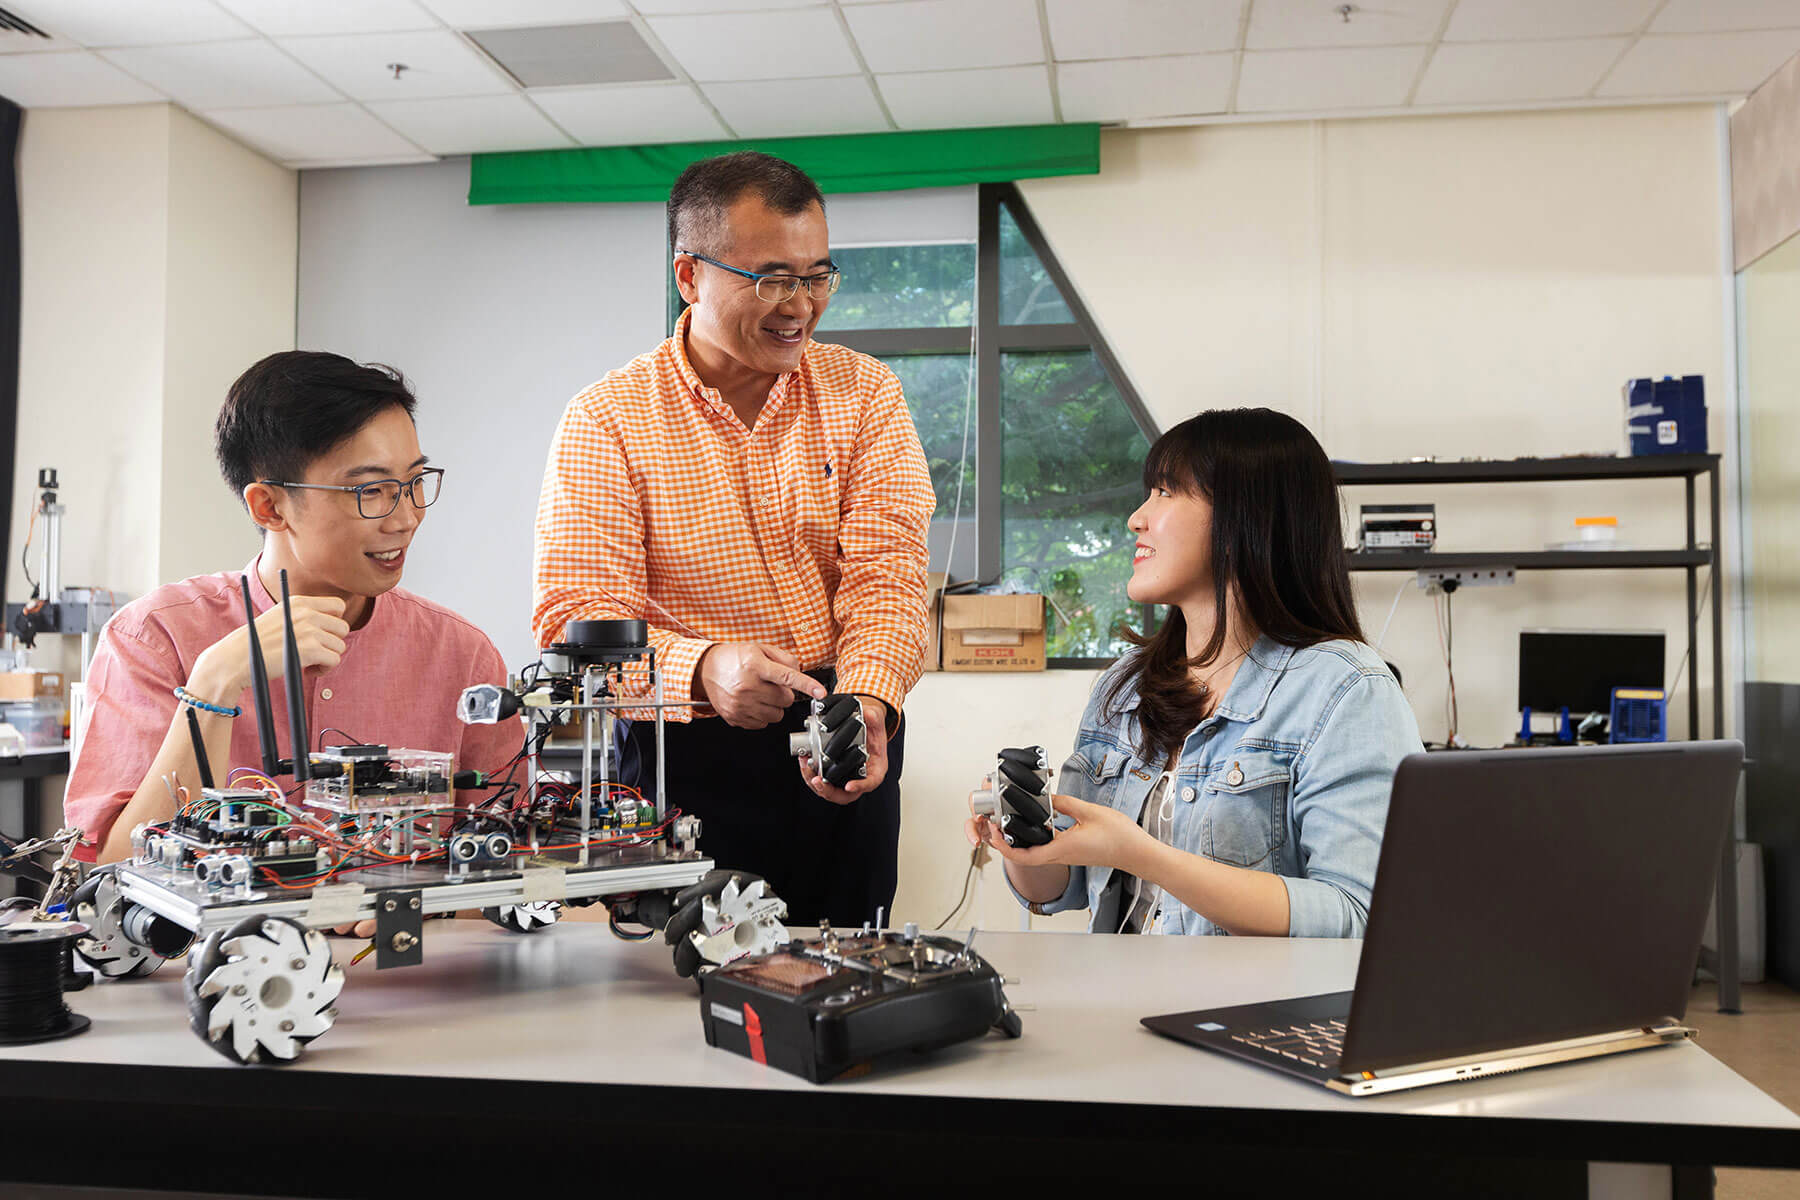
[
  {"x": 741, "y": 922},
  {"x": 263, "y": 989},
  {"x": 98, "y": 905},
  {"x": 525, "y": 918}
]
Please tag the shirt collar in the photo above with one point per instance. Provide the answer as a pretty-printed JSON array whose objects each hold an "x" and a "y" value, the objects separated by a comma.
[
  {"x": 691, "y": 379},
  {"x": 262, "y": 600},
  {"x": 1249, "y": 692}
]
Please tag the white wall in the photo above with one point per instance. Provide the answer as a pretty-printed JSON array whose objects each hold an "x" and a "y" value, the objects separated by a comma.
[
  {"x": 1470, "y": 286},
  {"x": 1771, "y": 315},
  {"x": 232, "y": 223},
  {"x": 1451, "y": 286},
  {"x": 93, "y": 211},
  {"x": 157, "y": 263}
]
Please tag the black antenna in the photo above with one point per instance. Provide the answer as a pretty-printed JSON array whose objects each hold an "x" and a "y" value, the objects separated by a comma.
[
  {"x": 206, "y": 779},
  {"x": 296, "y": 693},
  {"x": 259, "y": 688}
]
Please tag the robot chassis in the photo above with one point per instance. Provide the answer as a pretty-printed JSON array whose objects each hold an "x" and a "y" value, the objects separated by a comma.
[{"x": 253, "y": 878}]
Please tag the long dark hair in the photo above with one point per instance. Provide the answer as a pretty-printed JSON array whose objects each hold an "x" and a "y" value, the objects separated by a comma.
[{"x": 1276, "y": 538}]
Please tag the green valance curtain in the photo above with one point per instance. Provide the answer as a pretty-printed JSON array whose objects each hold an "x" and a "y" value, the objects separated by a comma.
[{"x": 866, "y": 162}]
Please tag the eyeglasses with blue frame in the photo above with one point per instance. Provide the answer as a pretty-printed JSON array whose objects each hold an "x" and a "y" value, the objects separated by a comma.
[{"x": 779, "y": 288}]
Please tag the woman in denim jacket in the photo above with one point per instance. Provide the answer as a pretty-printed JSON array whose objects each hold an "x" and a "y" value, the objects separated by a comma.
[{"x": 1231, "y": 774}]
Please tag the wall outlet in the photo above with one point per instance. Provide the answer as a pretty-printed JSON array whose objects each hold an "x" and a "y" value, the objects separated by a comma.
[{"x": 1432, "y": 580}]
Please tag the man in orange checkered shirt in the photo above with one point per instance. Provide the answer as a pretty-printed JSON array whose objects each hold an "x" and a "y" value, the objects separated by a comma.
[{"x": 762, "y": 501}]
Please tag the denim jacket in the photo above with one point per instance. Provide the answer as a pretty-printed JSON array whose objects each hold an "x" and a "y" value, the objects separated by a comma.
[{"x": 1290, "y": 775}]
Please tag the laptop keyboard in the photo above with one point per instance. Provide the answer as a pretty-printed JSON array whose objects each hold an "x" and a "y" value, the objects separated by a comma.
[{"x": 1318, "y": 1044}]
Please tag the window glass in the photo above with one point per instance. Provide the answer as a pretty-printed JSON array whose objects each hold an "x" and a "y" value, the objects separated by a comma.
[
  {"x": 1073, "y": 473},
  {"x": 903, "y": 287},
  {"x": 1027, "y": 295}
]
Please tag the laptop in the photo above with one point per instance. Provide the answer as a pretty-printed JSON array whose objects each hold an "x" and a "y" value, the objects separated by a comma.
[{"x": 1530, "y": 907}]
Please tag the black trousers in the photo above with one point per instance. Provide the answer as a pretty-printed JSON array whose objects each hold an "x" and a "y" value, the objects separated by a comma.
[{"x": 828, "y": 861}]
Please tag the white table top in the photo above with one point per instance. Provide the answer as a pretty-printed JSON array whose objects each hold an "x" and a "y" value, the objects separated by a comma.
[{"x": 574, "y": 1004}]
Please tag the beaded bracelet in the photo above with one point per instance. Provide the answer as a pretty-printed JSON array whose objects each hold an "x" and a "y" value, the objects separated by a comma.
[{"x": 187, "y": 697}]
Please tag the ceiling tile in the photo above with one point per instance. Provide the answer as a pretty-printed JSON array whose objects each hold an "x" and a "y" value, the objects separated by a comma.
[
  {"x": 1296, "y": 24},
  {"x": 314, "y": 132},
  {"x": 601, "y": 52},
  {"x": 1708, "y": 16},
  {"x": 798, "y": 107},
  {"x": 284, "y": 18},
  {"x": 13, "y": 41},
  {"x": 663, "y": 8},
  {"x": 504, "y": 14},
  {"x": 941, "y": 35},
  {"x": 1321, "y": 80},
  {"x": 1700, "y": 64},
  {"x": 631, "y": 116},
  {"x": 969, "y": 99},
  {"x": 131, "y": 22},
  {"x": 73, "y": 79},
  {"x": 1136, "y": 28},
  {"x": 472, "y": 124},
  {"x": 1500, "y": 72},
  {"x": 437, "y": 64},
  {"x": 730, "y": 46},
  {"x": 1140, "y": 88},
  {"x": 224, "y": 74},
  {"x": 1527, "y": 20}
]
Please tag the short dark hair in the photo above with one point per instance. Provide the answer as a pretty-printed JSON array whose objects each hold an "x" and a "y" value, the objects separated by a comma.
[
  {"x": 1277, "y": 538},
  {"x": 703, "y": 192},
  {"x": 293, "y": 407}
]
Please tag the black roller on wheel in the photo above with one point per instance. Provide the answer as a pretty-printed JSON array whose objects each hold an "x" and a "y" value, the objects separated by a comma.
[
  {"x": 853, "y": 765},
  {"x": 1027, "y": 757},
  {"x": 838, "y": 709}
]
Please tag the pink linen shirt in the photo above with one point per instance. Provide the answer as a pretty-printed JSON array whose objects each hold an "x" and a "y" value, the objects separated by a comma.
[{"x": 397, "y": 685}]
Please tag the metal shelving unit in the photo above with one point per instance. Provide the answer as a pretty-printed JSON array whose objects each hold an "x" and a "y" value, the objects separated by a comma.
[{"x": 1689, "y": 468}]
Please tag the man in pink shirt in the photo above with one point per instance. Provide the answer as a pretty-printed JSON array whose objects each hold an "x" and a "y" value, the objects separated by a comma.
[{"x": 325, "y": 457}]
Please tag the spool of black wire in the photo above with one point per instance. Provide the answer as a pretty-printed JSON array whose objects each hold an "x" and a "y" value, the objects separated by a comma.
[{"x": 31, "y": 984}]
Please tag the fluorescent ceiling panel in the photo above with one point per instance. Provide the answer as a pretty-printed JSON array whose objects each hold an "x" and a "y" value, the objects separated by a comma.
[
  {"x": 1137, "y": 28},
  {"x": 1305, "y": 24},
  {"x": 1504, "y": 72},
  {"x": 941, "y": 35},
  {"x": 289, "y": 18},
  {"x": 224, "y": 75},
  {"x": 314, "y": 133},
  {"x": 472, "y": 124},
  {"x": 630, "y": 116},
  {"x": 969, "y": 99},
  {"x": 1319, "y": 80},
  {"x": 131, "y": 22},
  {"x": 564, "y": 55},
  {"x": 72, "y": 79},
  {"x": 1536, "y": 20},
  {"x": 763, "y": 46},
  {"x": 437, "y": 64},
  {"x": 1141, "y": 88},
  {"x": 663, "y": 8},
  {"x": 485, "y": 14},
  {"x": 799, "y": 107}
]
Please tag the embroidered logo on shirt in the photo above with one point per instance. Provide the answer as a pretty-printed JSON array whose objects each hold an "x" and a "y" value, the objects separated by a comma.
[{"x": 828, "y": 470}]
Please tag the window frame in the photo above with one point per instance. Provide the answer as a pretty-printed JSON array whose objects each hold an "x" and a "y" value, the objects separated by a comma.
[{"x": 993, "y": 340}]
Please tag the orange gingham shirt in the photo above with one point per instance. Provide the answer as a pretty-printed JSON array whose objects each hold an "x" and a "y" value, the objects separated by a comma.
[{"x": 806, "y": 532}]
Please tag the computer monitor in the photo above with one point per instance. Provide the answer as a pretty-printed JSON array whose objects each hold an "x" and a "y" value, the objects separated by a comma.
[{"x": 1578, "y": 669}]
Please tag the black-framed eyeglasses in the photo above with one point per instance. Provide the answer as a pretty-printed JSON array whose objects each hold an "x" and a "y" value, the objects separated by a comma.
[
  {"x": 380, "y": 497},
  {"x": 779, "y": 289}
]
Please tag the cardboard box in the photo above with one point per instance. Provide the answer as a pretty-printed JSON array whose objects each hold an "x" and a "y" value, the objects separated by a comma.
[
  {"x": 934, "y": 619},
  {"x": 31, "y": 685},
  {"x": 994, "y": 633}
]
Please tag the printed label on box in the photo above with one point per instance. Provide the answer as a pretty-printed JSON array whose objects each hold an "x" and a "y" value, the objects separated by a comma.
[{"x": 1667, "y": 433}]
